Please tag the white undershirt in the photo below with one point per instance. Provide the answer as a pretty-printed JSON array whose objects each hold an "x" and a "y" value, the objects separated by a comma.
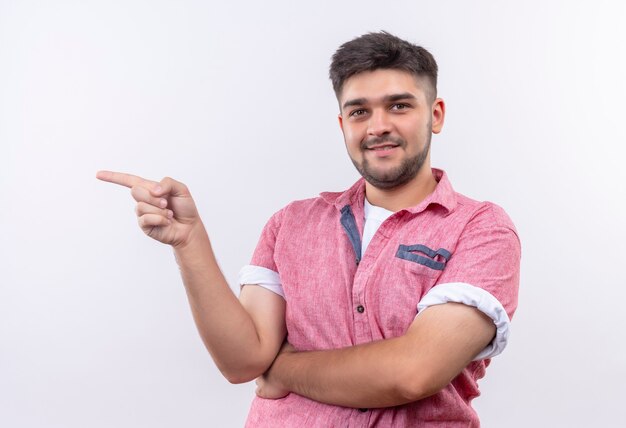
[{"x": 374, "y": 217}]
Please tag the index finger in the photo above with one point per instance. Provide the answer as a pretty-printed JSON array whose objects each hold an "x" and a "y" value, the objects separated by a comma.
[{"x": 123, "y": 179}]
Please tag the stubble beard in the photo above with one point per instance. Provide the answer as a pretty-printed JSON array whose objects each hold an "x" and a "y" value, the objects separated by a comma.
[{"x": 397, "y": 176}]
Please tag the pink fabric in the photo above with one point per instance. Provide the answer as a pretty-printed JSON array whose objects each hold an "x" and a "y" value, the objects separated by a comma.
[{"x": 323, "y": 285}]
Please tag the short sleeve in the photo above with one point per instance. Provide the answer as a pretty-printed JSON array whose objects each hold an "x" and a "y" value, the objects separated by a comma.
[
  {"x": 483, "y": 271},
  {"x": 263, "y": 255},
  {"x": 487, "y": 256},
  {"x": 263, "y": 271}
]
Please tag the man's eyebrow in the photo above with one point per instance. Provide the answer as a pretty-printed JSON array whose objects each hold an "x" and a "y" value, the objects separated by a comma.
[
  {"x": 398, "y": 97},
  {"x": 354, "y": 102},
  {"x": 387, "y": 99}
]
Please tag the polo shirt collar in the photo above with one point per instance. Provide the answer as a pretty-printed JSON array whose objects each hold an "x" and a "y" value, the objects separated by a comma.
[{"x": 443, "y": 195}]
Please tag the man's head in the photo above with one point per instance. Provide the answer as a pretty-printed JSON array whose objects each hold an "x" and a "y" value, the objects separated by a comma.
[
  {"x": 386, "y": 88},
  {"x": 373, "y": 51}
]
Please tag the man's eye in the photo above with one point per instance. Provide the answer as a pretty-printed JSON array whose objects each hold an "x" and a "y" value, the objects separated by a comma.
[
  {"x": 358, "y": 112},
  {"x": 399, "y": 106}
]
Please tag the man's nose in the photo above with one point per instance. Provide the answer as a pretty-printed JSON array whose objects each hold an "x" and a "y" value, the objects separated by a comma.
[{"x": 379, "y": 123}]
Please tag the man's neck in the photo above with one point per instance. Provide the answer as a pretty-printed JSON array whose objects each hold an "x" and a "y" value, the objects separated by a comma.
[{"x": 408, "y": 195}]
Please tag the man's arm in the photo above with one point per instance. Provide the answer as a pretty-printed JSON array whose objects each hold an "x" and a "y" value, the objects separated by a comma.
[
  {"x": 243, "y": 336},
  {"x": 441, "y": 341}
]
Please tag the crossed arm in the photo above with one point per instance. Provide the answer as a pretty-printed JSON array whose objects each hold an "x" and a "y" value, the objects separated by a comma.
[{"x": 441, "y": 341}]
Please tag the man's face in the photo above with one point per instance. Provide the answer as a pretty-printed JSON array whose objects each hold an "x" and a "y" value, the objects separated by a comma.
[{"x": 387, "y": 118}]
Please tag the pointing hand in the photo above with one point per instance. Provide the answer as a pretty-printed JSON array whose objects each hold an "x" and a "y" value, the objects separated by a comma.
[{"x": 165, "y": 209}]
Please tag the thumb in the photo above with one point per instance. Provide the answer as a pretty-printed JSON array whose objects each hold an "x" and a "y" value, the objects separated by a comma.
[{"x": 171, "y": 187}]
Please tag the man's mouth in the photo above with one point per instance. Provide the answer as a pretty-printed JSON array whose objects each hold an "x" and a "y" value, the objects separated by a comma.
[
  {"x": 382, "y": 143},
  {"x": 386, "y": 146}
]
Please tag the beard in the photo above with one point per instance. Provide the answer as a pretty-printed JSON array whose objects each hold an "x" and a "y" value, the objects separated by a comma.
[{"x": 394, "y": 177}]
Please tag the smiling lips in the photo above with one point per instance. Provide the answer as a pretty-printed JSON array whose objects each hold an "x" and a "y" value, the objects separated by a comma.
[
  {"x": 382, "y": 143},
  {"x": 382, "y": 150},
  {"x": 385, "y": 146}
]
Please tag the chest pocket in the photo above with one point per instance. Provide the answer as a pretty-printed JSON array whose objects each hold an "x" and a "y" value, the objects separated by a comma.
[{"x": 423, "y": 260}]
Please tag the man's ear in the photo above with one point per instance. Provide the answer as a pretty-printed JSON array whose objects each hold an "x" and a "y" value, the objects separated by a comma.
[
  {"x": 340, "y": 119},
  {"x": 439, "y": 113}
]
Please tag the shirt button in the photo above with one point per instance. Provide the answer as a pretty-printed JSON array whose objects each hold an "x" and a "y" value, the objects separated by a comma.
[
  {"x": 360, "y": 309},
  {"x": 363, "y": 410}
]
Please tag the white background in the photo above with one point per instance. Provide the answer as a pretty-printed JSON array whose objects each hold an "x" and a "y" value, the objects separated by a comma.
[{"x": 233, "y": 99}]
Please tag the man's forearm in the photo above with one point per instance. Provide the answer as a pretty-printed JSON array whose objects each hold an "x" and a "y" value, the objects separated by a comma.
[
  {"x": 371, "y": 375},
  {"x": 436, "y": 347},
  {"x": 225, "y": 326}
]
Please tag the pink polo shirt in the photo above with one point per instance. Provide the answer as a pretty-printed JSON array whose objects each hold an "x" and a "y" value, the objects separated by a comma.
[{"x": 449, "y": 248}]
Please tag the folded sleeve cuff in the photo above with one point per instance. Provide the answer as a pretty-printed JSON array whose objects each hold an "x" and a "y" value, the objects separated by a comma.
[
  {"x": 467, "y": 294},
  {"x": 263, "y": 277}
]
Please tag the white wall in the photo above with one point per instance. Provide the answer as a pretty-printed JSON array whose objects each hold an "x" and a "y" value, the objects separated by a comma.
[{"x": 233, "y": 99}]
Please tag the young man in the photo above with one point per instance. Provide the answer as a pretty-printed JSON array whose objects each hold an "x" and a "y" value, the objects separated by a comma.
[{"x": 394, "y": 294}]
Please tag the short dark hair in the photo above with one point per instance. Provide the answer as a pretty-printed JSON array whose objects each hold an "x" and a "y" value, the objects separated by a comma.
[{"x": 382, "y": 50}]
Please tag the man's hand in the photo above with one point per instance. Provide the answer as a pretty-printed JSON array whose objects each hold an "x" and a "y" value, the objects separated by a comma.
[
  {"x": 266, "y": 385},
  {"x": 165, "y": 210}
]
